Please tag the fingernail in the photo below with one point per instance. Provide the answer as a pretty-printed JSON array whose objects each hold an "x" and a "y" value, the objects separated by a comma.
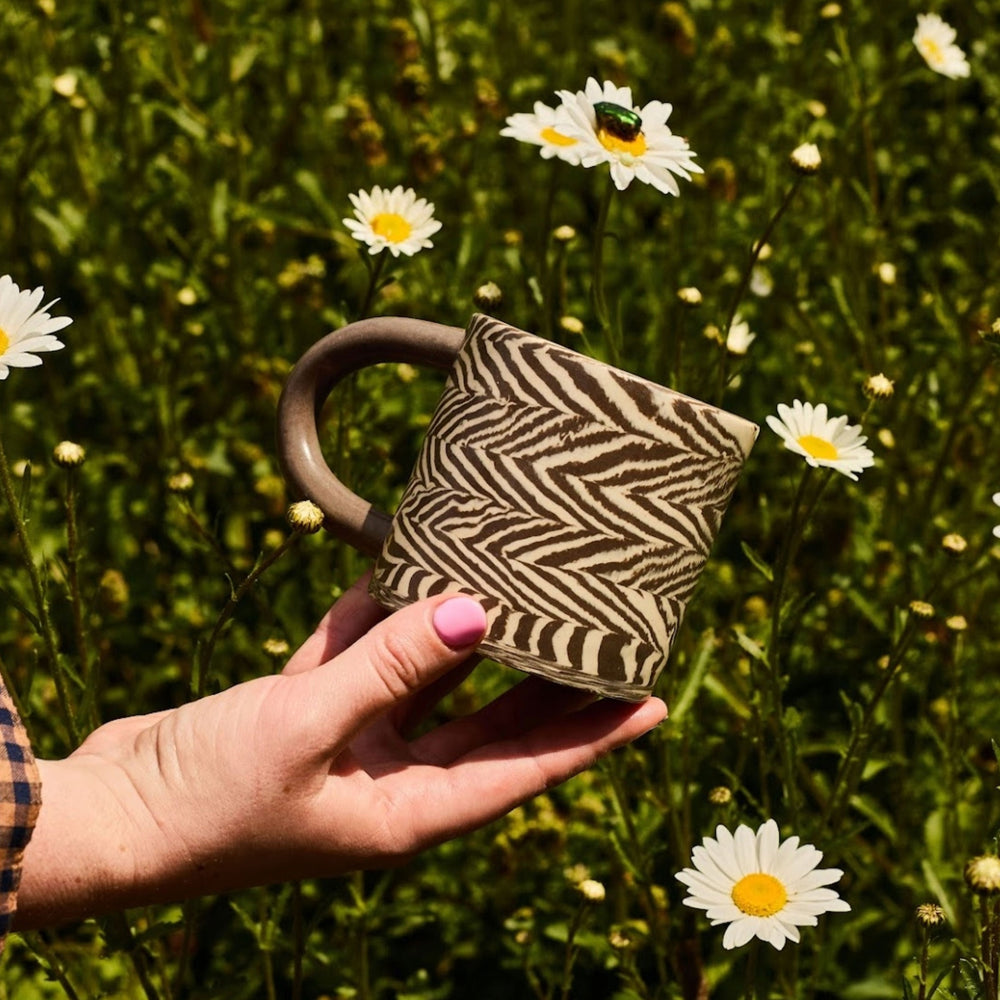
[{"x": 460, "y": 622}]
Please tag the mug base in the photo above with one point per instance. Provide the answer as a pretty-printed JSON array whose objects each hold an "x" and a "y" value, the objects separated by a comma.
[{"x": 557, "y": 673}]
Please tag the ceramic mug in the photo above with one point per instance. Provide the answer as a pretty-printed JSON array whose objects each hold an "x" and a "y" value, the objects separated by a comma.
[{"x": 577, "y": 502}]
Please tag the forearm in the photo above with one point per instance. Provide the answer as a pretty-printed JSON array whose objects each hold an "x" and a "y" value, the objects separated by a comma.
[{"x": 79, "y": 861}]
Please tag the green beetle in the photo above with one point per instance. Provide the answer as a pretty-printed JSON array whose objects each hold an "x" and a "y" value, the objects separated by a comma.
[{"x": 617, "y": 121}]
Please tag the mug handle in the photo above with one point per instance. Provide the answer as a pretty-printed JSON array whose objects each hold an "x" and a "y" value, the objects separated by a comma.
[{"x": 348, "y": 516}]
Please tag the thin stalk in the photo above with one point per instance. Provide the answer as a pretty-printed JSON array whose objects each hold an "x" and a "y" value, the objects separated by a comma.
[
  {"x": 734, "y": 305},
  {"x": 547, "y": 281},
  {"x": 569, "y": 958},
  {"x": 362, "y": 968},
  {"x": 298, "y": 940},
  {"x": 954, "y": 426},
  {"x": 203, "y": 656},
  {"x": 60, "y": 672},
  {"x": 121, "y": 931},
  {"x": 844, "y": 777},
  {"x": 75, "y": 596},
  {"x": 987, "y": 949},
  {"x": 924, "y": 953},
  {"x": 190, "y": 911},
  {"x": 789, "y": 547},
  {"x": 640, "y": 860},
  {"x": 374, "y": 275},
  {"x": 598, "y": 299},
  {"x": 38, "y": 943}
]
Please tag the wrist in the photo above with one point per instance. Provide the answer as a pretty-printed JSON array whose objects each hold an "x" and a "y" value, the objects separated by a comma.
[{"x": 82, "y": 858}]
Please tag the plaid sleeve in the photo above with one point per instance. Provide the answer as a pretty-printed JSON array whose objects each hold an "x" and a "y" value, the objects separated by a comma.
[{"x": 20, "y": 798}]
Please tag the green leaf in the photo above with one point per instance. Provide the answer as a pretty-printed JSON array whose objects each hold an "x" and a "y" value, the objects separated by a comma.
[
  {"x": 750, "y": 646},
  {"x": 758, "y": 562},
  {"x": 17, "y": 603}
]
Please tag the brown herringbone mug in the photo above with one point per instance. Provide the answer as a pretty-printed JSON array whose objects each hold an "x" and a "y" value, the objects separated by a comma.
[{"x": 577, "y": 502}]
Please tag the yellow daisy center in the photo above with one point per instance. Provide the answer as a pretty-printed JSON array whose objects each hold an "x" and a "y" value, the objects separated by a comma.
[
  {"x": 759, "y": 895},
  {"x": 392, "y": 226},
  {"x": 550, "y": 135},
  {"x": 931, "y": 51},
  {"x": 818, "y": 447},
  {"x": 635, "y": 147},
  {"x": 4, "y": 341}
]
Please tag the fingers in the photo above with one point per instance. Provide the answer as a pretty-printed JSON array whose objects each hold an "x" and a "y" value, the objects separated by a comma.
[
  {"x": 526, "y": 705},
  {"x": 493, "y": 779},
  {"x": 353, "y": 614},
  {"x": 389, "y": 663}
]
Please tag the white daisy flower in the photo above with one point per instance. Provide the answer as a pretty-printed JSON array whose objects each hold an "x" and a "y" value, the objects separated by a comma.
[
  {"x": 760, "y": 887},
  {"x": 25, "y": 329},
  {"x": 935, "y": 41},
  {"x": 822, "y": 441},
  {"x": 740, "y": 337},
  {"x": 540, "y": 129},
  {"x": 996, "y": 500},
  {"x": 635, "y": 141},
  {"x": 396, "y": 220}
]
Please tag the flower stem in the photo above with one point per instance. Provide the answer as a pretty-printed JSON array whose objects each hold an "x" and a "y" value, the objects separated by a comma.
[
  {"x": 569, "y": 958},
  {"x": 75, "y": 596},
  {"x": 734, "y": 306},
  {"x": 60, "y": 672},
  {"x": 374, "y": 274},
  {"x": 203, "y": 655},
  {"x": 598, "y": 299},
  {"x": 850, "y": 766}
]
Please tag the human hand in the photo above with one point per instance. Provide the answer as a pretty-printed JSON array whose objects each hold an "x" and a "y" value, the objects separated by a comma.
[{"x": 308, "y": 773}]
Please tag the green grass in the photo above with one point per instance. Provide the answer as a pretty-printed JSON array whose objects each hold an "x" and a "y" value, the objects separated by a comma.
[{"x": 183, "y": 200}]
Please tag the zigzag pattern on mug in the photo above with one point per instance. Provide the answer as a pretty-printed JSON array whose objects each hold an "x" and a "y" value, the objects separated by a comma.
[
  {"x": 584, "y": 539},
  {"x": 552, "y": 378},
  {"x": 540, "y": 586},
  {"x": 599, "y": 453},
  {"x": 521, "y": 639}
]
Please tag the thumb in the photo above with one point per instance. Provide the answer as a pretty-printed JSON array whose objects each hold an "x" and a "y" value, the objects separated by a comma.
[{"x": 396, "y": 658}]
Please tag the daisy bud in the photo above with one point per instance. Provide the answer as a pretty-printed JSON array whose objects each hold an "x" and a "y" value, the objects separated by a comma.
[
  {"x": 187, "y": 296},
  {"x": 305, "y": 517},
  {"x": 982, "y": 875},
  {"x": 488, "y": 296},
  {"x": 690, "y": 296},
  {"x": 992, "y": 335},
  {"x": 805, "y": 159},
  {"x": 879, "y": 387},
  {"x": 816, "y": 108},
  {"x": 571, "y": 324},
  {"x": 180, "y": 482},
  {"x": 956, "y": 623},
  {"x": 720, "y": 796},
  {"x": 830, "y": 11},
  {"x": 68, "y": 455},
  {"x": 276, "y": 648},
  {"x": 65, "y": 85},
  {"x": 886, "y": 438},
  {"x": 954, "y": 543},
  {"x": 563, "y": 234},
  {"x": 112, "y": 592},
  {"x": 619, "y": 940},
  {"x": 592, "y": 890},
  {"x": 922, "y": 609},
  {"x": 886, "y": 273},
  {"x": 930, "y": 914}
]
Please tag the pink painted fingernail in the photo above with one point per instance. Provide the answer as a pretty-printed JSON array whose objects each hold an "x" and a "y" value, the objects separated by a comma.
[{"x": 460, "y": 622}]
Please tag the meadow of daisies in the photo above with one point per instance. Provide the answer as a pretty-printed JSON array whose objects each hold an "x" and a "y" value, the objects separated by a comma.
[{"x": 787, "y": 209}]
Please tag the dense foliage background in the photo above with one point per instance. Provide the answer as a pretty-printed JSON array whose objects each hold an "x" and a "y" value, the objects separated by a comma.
[{"x": 176, "y": 174}]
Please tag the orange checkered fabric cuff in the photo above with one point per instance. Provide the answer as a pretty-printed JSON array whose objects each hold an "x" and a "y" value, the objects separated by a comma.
[{"x": 20, "y": 798}]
